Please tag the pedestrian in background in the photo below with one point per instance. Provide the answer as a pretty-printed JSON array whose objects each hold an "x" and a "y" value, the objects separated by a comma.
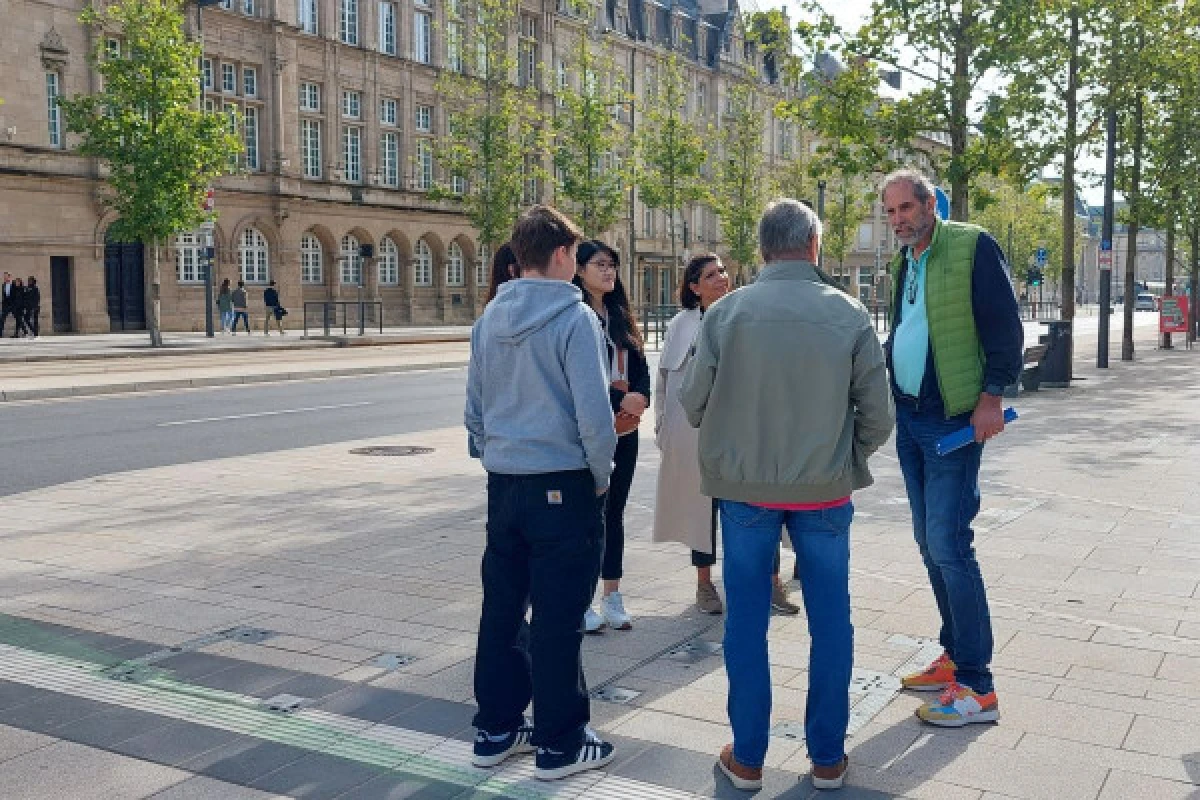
[
  {"x": 275, "y": 312},
  {"x": 33, "y": 307},
  {"x": 598, "y": 276},
  {"x": 225, "y": 306},
  {"x": 18, "y": 302},
  {"x": 956, "y": 342},
  {"x": 6, "y": 302},
  {"x": 504, "y": 269},
  {"x": 789, "y": 390},
  {"x": 681, "y": 512},
  {"x": 240, "y": 306},
  {"x": 538, "y": 417}
]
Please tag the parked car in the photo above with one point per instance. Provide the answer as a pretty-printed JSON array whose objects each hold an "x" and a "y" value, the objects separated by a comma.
[{"x": 1145, "y": 302}]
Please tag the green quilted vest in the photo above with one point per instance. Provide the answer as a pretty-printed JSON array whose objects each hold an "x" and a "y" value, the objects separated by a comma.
[{"x": 957, "y": 355}]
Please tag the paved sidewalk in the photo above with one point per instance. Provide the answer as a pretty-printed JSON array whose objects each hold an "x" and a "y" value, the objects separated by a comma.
[{"x": 149, "y": 615}]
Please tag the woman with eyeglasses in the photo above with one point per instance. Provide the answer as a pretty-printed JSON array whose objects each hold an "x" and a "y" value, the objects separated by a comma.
[
  {"x": 597, "y": 276},
  {"x": 681, "y": 513}
]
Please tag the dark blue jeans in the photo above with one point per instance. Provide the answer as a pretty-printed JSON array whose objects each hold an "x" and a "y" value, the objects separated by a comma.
[
  {"x": 822, "y": 543},
  {"x": 545, "y": 538},
  {"x": 943, "y": 492}
]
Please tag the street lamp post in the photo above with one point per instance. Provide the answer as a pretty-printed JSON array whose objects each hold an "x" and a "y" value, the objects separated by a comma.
[
  {"x": 821, "y": 216},
  {"x": 208, "y": 244}
]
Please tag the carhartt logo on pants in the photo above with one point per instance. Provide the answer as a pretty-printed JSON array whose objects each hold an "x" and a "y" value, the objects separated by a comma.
[{"x": 554, "y": 497}]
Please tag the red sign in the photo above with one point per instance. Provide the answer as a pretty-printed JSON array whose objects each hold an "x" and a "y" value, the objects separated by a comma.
[
  {"x": 1106, "y": 259},
  {"x": 1172, "y": 317},
  {"x": 209, "y": 201}
]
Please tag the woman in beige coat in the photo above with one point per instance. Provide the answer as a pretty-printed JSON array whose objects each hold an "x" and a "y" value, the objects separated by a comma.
[{"x": 681, "y": 513}]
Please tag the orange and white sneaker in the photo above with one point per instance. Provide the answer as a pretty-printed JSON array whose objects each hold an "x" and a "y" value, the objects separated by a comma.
[
  {"x": 937, "y": 676},
  {"x": 960, "y": 705}
]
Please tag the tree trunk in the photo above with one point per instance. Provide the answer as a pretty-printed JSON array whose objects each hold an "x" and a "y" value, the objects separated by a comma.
[
  {"x": 960, "y": 96},
  {"x": 1193, "y": 315},
  {"x": 1135, "y": 219},
  {"x": 153, "y": 293},
  {"x": 1068, "y": 204},
  {"x": 1169, "y": 273}
]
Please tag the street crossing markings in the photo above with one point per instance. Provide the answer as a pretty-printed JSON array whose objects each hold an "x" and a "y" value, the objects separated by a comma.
[{"x": 264, "y": 414}]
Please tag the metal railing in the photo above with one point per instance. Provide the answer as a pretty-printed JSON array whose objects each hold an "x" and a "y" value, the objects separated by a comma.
[
  {"x": 653, "y": 321},
  {"x": 347, "y": 314}
]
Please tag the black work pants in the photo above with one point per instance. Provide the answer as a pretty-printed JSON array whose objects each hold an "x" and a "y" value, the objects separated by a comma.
[
  {"x": 624, "y": 463},
  {"x": 545, "y": 534}
]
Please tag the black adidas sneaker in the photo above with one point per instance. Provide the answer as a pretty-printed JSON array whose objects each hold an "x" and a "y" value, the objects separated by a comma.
[
  {"x": 492, "y": 749},
  {"x": 593, "y": 754}
]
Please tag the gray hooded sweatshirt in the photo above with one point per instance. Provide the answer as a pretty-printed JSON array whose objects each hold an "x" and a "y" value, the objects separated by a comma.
[{"x": 537, "y": 386}]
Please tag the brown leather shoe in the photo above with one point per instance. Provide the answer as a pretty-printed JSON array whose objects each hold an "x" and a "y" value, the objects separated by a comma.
[
  {"x": 830, "y": 777},
  {"x": 745, "y": 778}
]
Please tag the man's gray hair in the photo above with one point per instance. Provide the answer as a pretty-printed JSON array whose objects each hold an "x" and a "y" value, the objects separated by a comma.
[
  {"x": 921, "y": 185},
  {"x": 787, "y": 226}
]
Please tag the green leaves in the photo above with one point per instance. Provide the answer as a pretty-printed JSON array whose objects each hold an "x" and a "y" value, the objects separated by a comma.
[
  {"x": 739, "y": 188},
  {"x": 160, "y": 151}
]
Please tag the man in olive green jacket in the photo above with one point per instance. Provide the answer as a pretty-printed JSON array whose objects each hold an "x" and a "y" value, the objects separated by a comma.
[{"x": 789, "y": 389}]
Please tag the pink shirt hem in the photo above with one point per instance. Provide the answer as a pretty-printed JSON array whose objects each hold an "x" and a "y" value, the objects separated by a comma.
[{"x": 804, "y": 506}]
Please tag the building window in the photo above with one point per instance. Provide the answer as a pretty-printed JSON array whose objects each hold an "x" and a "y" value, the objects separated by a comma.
[
  {"x": 310, "y": 259},
  {"x": 112, "y": 49},
  {"x": 532, "y": 186},
  {"x": 250, "y": 131},
  {"x": 422, "y": 264},
  {"x": 481, "y": 266},
  {"x": 387, "y": 28},
  {"x": 455, "y": 269},
  {"x": 206, "y": 69},
  {"x": 560, "y": 82},
  {"x": 454, "y": 47},
  {"x": 388, "y": 262},
  {"x": 310, "y": 147},
  {"x": 254, "y": 257},
  {"x": 226, "y": 4},
  {"x": 424, "y": 165},
  {"x": 53, "y": 112},
  {"x": 422, "y": 37},
  {"x": 352, "y": 105},
  {"x": 424, "y": 119},
  {"x": 307, "y": 11},
  {"x": 527, "y": 52},
  {"x": 389, "y": 159},
  {"x": 248, "y": 7},
  {"x": 866, "y": 236},
  {"x": 458, "y": 184},
  {"x": 228, "y": 79},
  {"x": 351, "y": 261},
  {"x": 250, "y": 82},
  {"x": 310, "y": 97},
  {"x": 647, "y": 221},
  {"x": 348, "y": 21},
  {"x": 702, "y": 97},
  {"x": 352, "y": 153},
  {"x": 387, "y": 111},
  {"x": 189, "y": 252}
]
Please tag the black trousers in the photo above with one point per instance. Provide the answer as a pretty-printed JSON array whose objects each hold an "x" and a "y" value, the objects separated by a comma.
[
  {"x": 702, "y": 559},
  {"x": 624, "y": 463},
  {"x": 31, "y": 319},
  {"x": 545, "y": 534},
  {"x": 18, "y": 319}
]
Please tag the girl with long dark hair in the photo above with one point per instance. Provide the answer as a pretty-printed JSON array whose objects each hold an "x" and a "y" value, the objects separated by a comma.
[
  {"x": 598, "y": 276},
  {"x": 504, "y": 269}
]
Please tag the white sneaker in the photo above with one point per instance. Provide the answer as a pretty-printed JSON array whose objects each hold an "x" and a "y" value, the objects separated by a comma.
[
  {"x": 613, "y": 609},
  {"x": 593, "y": 622}
]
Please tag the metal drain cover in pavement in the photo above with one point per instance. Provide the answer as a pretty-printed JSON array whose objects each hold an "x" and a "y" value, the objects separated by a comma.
[
  {"x": 695, "y": 651},
  {"x": 246, "y": 635},
  {"x": 392, "y": 660},
  {"x": 284, "y": 703},
  {"x": 391, "y": 450},
  {"x": 617, "y": 694}
]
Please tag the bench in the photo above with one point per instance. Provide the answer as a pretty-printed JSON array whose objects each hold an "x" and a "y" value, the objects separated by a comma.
[{"x": 1031, "y": 372}]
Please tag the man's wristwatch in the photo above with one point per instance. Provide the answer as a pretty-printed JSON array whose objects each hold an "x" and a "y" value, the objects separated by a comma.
[{"x": 994, "y": 389}]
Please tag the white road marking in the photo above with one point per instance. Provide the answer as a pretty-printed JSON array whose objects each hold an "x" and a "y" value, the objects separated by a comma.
[{"x": 263, "y": 414}]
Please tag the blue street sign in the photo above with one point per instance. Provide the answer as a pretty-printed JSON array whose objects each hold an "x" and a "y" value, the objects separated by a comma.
[
  {"x": 1041, "y": 256},
  {"x": 943, "y": 202}
]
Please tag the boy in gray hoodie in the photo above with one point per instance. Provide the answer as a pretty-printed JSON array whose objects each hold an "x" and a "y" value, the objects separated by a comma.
[{"x": 539, "y": 419}]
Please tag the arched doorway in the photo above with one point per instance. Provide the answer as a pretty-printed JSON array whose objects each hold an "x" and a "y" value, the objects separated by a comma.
[{"x": 125, "y": 285}]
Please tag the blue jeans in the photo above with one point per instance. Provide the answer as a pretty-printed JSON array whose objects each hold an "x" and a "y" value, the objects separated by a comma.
[
  {"x": 244, "y": 317},
  {"x": 226, "y": 320},
  {"x": 822, "y": 543},
  {"x": 943, "y": 492}
]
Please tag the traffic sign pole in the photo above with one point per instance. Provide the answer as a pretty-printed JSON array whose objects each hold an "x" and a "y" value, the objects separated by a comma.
[{"x": 206, "y": 228}]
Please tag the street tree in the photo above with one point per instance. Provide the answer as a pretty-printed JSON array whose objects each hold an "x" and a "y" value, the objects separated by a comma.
[
  {"x": 671, "y": 149},
  {"x": 591, "y": 150},
  {"x": 956, "y": 46},
  {"x": 739, "y": 188},
  {"x": 1023, "y": 219},
  {"x": 494, "y": 138},
  {"x": 159, "y": 150}
]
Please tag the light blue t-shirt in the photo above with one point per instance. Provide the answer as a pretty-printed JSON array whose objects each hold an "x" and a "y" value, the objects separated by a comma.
[{"x": 910, "y": 342}]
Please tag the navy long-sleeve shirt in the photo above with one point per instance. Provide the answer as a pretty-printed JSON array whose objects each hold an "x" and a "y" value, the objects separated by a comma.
[{"x": 997, "y": 321}]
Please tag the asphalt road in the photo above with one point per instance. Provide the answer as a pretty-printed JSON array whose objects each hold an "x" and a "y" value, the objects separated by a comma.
[{"x": 52, "y": 442}]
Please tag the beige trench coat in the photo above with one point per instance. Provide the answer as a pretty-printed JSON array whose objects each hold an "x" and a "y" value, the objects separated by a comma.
[{"x": 681, "y": 513}]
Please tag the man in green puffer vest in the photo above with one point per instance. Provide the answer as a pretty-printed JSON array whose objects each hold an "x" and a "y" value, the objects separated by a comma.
[{"x": 956, "y": 342}]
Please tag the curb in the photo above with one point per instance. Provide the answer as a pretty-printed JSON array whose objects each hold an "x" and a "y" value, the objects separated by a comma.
[
  {"x": 57, "y": 393},
  {"x": 302, "y": 343}
]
